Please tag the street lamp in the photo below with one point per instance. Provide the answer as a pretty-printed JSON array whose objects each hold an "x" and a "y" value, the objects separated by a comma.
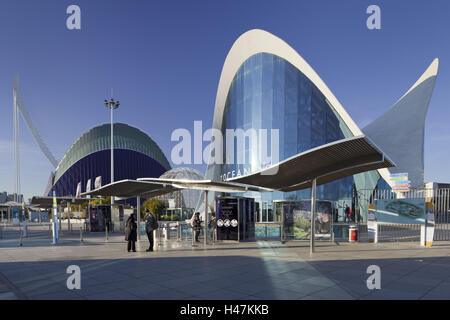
[{"x": 111, "y": 104}]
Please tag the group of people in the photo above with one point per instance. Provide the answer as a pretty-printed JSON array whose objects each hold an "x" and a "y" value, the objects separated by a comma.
[
  {"x": 131, "y": 230},
  {"x": 151, "y": 224}
]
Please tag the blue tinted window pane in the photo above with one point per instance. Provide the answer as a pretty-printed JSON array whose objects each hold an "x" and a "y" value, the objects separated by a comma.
[{"x": 270, "y": 93}]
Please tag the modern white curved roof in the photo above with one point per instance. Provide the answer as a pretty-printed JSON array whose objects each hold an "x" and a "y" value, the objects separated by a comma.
[{"x": 259, "y": 41}]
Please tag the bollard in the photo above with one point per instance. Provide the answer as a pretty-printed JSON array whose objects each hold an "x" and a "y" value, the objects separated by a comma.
[
  {"x": 81, "y": 234},
  {"x": 21, "y": 237},
  {"x": 50, "y": 230},
  {"x": 154, "y": 236},
  {"x": 106, "y": 233},
  {"x": 167, "y": 235}
]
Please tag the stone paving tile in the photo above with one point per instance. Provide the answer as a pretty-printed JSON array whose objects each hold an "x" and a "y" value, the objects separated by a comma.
[
  {"x": 250, "y": 288},
  {"x": 390, "y": 294},
  {"x": 304, "y": 289},
  {"x": 124, "y": 284},
  {"x": 281, "y": 271},
  {"x": 113, "y": 295},
  {"x": 155, "y": 278},
  {"x": 3, "y": 288},
  {"x": 279, "y": 294},
  {"x": 318, "y": 281},
  {"x": 416, "y": 289},
  {"x": 61, "y": 295},
  {"x": 144, "y": 289},
  {"x": 355, "y": 289},
  {"x": 7, "y": 296},
  {"x": 224, "y": 294},
  {"x": 165, "y": 294},
  {"x": 331, "y": 293},
  {"x": 94, "y": 289},
  {"x": 440, "y": 292},
  {"x": 107, "y": 276},
  {"x": 173, "y": 283},
  {"x": 39, "y": 286},
  {"x": 198, "y": 289}
]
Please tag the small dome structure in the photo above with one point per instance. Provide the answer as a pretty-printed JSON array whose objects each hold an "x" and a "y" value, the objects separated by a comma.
[{"x": 186, "y": 199}]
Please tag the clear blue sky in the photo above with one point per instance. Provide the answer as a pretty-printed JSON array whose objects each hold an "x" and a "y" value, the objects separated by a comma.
[{"x": 164, "y": 58}]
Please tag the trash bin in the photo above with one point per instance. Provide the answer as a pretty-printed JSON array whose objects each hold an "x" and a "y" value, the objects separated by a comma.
[{"x": 352, "y": 233}]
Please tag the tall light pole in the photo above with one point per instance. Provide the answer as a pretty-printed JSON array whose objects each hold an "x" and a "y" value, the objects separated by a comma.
[
  {"x": 111, "y": 104},
  {"x": 16, "y": 147}
]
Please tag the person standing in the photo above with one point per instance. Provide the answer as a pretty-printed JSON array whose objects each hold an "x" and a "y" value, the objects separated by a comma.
[
  {"x": 131, "y": 232},
  {"x": 196, "y": 225},
  {"x": 213, "y": 228},
  {"x": 347, "y": 213},
  {"x": 150, "y": 224}
]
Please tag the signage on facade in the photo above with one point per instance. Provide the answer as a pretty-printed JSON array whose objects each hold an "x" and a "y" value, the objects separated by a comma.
[{"x": 400, "y": 181}]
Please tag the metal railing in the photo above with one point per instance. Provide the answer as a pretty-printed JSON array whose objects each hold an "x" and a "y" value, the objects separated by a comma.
[{"x": 439, "y": 198}]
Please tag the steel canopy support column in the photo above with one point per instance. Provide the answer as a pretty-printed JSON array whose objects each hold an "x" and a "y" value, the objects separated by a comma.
[
  {"x": 138, "y": 218},
  {"x": 313, "y": 214},
  {"x": 206, "y": 217},
  {"x": 69, "y": 228}
]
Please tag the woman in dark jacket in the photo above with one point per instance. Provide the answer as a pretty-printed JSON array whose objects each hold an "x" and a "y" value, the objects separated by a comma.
[
  {"x": 196, "y": 225},
  {"x": 131, "y": 233}
]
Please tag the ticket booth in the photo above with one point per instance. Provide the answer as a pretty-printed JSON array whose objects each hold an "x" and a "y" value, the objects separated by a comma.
[
  {"x": 235, "y": 218},
  {"x": 99, "y": 218}
]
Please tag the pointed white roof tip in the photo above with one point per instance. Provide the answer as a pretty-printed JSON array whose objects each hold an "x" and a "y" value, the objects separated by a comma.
[{"x": 431, "y": 71}]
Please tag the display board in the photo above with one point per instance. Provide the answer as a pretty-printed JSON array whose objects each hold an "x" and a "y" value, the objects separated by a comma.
[
  {"x": 297, "y": 219},
  {"x": 405, "y": 211},
  {"x": 227, "y": 219}
]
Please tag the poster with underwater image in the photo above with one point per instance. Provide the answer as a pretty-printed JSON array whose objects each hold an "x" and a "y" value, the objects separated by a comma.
[{"x": 406, "y": 211}]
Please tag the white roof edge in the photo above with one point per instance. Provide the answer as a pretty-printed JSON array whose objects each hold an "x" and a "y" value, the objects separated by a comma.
[
  {"x": 259, "y": 41},
  {"x": 431, "y": 71}
]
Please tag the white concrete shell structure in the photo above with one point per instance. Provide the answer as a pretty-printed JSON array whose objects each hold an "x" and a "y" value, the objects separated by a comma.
[
  {"x": 256, "y": 42},
  {"x": 260, "y": 41}
]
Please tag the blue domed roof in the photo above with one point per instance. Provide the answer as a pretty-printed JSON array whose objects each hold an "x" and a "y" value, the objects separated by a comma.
[{"x": 99, "y": 138}]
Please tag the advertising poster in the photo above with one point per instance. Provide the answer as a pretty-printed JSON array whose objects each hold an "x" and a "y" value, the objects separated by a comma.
[
  {"x": 297, "y": 219},
  {"x": 406, "y": 211}
]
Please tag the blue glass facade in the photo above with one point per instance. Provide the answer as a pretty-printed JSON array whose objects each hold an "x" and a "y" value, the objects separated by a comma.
[{"x": 268, "y": 92}]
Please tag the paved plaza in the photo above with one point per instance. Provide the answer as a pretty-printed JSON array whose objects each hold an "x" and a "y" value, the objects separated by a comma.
[{"x": 245, "y": 271}]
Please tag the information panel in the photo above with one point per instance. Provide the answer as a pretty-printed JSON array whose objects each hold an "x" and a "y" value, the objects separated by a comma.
[{"x": 227, "y": 219}]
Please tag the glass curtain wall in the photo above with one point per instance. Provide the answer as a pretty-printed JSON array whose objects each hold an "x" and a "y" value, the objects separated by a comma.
[{"x": 268, "y": 93}]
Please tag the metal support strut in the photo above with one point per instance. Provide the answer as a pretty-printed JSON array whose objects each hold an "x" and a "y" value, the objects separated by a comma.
[{"x": 313, "y": 213}]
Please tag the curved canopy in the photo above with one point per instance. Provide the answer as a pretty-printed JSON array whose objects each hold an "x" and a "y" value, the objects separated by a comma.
[{"x": 325, "y": 163}]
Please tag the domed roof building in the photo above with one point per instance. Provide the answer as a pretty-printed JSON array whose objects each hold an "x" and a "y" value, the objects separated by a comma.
[
  {"x": 136, "y": 155},
  {"x": 186, "y": 199}
]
